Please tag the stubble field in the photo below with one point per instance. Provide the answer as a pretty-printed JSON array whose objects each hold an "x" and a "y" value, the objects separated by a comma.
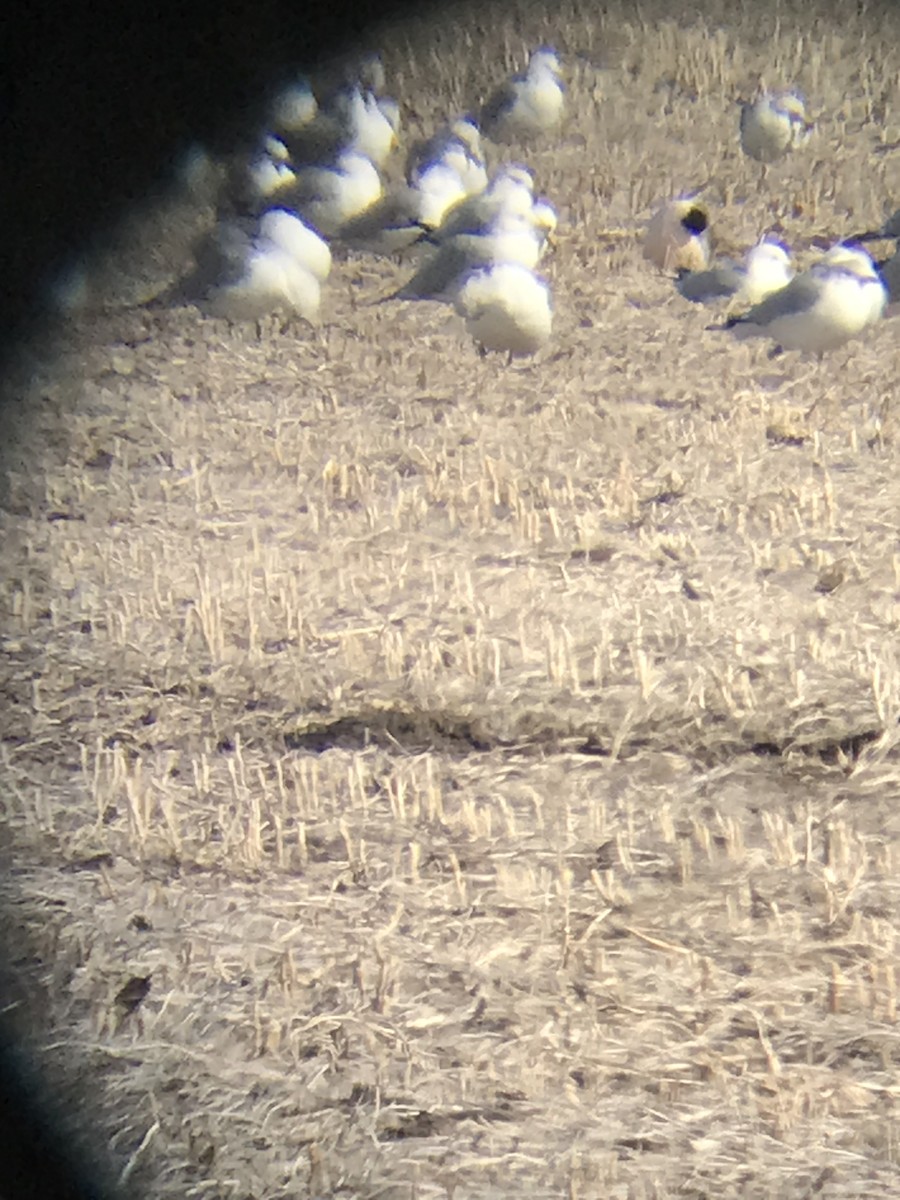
[{"x": 493, "y": 769}]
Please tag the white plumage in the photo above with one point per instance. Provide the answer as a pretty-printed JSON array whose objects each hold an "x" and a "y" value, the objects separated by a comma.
[
  {"x": 329, "y": 197},
  {"x": 509, "y": 238},
  {"x": 773, "y": 124},
  {"x": 371, "y": 124},
  {"x": 506, "y": 308},
  {"x": 293, "y": 107},
  {"x": 527, "y": 105},
  {"x": 765, "y": 269},
  {"x": 401, "y": 217},
  {"x": 511, "y": 191},
  {"x": 456, "y": 145},
  {"x": 822, "y": 307},
  {"x": 289, "y": 232}
]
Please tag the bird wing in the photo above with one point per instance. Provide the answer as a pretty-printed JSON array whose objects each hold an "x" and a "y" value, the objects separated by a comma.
[
  {"x": 388, "y": 227},
  {"x": 498, "y": 104},
  {"x": 434, "y": 277},
  {"x": 798, "y": 296},
  {"x": 319, "y": 142},
  {"x": 702, "y": 286}
]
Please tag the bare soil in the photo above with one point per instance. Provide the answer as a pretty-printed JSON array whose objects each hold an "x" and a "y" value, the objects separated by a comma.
[{"x": 493, "y": 771}]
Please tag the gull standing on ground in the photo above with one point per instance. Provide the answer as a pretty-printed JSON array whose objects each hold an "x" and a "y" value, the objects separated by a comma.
[
  {"x": 773, "y": 124},
  {"x": 766, "y": 268},
  {"x": 401, "y": 217},
  {"x": 822, "y": 307},
  {"x": 677, "y": 236},
  {"x": 527, "y": 105},
  {"x": 506, "y": 308},
  {"x": 441, "y": 173},
  {"x": 293, "y": 107},
  {"x": 288, "y": 231},
  {"x": 329, "y": 197},
  {"x": 458, "y": 145},
  {"x": 510, "y": 191},
  {"x": 352, "y": 120},
  {"x": 255, "y": 177},
  {"x": 245, "y": 276},
  {"x": 510, "y": 238}
]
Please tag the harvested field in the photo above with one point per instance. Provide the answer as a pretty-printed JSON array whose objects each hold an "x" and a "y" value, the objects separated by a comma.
[{"x": 431, "y": 778}]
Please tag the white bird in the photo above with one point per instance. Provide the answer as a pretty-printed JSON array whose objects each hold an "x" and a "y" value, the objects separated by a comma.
[
  {"x": 265, "y": 177},
  {"x": 510, "y": 191},
  {"x": 458, "y": 145},
  {"x": 822, "y": 307},
  {"x": 288, "y": 231},
  {"x": 506, "y": 308},
  {"x": 329, "y": 197},
  {"x": 529, "y": 104},
  {"x": 245, "y": 276},
  {"x": 371, "y": 123},
  {"x": 371, "y": 74},
  {"x": 293, "y": 107},
  {"x": 510, "y": 238},
  {"x": 408, "y": 211},
  {"x": 677, "y": 236},
  {"x": 773, "y": 124},
  {"x": 438, "y": 187},
  {"x": 765, "y": 269},
  {"x": 256, "y": 176}
]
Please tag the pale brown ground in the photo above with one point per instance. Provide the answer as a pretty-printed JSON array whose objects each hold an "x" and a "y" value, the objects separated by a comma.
[{"x": 466, "y": 752}]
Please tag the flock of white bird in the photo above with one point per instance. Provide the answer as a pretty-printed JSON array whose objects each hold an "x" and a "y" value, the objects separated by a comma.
[
  {"x": 832, "y": 301},
  {"x": 314, "y": 178}
]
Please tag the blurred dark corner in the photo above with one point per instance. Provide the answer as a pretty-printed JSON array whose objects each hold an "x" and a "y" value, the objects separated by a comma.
[{"x": 96, "y": 100}]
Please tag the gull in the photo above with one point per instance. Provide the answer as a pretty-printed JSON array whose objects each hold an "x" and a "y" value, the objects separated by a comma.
[
  {"x": 765, "y": 269},
  {"x": 677, "y": 237},
  {"x": 773, "y": 124},
  {"x": 329, "y": 197},
  {"x": 510, "y": 238},
  {"x": 506, "y": 308},
  {"x": 288, "y": 231},
  {"x": 255, "y": 177},
  {"x": 293, "y": 107},
  {"x": 401, "y": 217},
  {"x": 370, "y": 73},
  {"x": 456, "y": 144},
  {"x": 372, "y": 123},
  {"x": 890, "y": 273},
  {"x": 511, "y": 191},
  {"x": 245, "y": 276},
  {"x": 822, "y": 307},
  {"x": 529, "y": 104},
  {"x": 353, "y": 120}
]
